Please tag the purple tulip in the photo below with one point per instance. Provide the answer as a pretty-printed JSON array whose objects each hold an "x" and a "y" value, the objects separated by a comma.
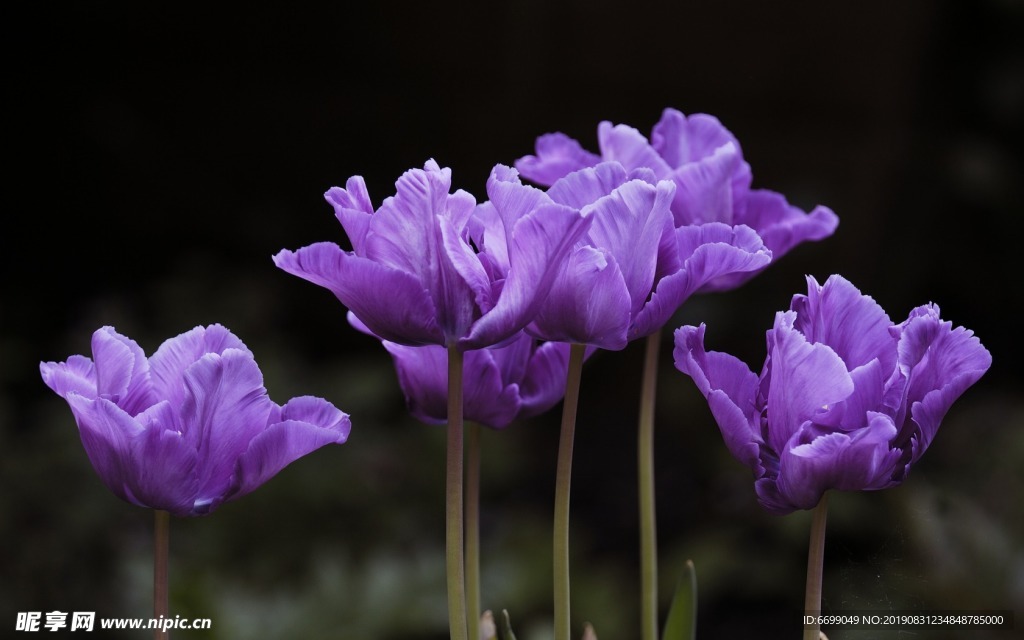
[
  {"x": 703, "y": 159},
  {"x": 192, "y": 426},
  {"x": 634, "y": 268},
  {"x": 414, "y": 277},
  {"x": 846, "y": 399},
  {"x": 500, "y": 384},
  {"x": 523, "y": 378}
]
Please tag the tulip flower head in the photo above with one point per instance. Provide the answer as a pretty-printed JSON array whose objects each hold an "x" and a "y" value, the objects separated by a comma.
[
  {"x": 523, "y": 378},
  {"x": 634, "y": 268},
  {"x": 846, "y": 399},
  {"x": 413, "y": 275},
  {"x": 192, "y": 426},
  {"x": 704, "y": 161}
]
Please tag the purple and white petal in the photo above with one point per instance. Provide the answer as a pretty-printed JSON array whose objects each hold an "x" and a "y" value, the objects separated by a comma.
[
  {"x": 783, "y": 226},
  {"x": 308, "y": 424},
  {"x": 543, "y": 384},
  {"x": 855, "y": 461},
  {"x": 488, "y": 399},
  {"x": 402, "y": 232},
  {"x": 707, "y": 254},
  {"x": 705, "y": 191},
  {"x": 76, "y": 375},
  {"x": 628, "y": 147},
  {"x": 629, "y": 224},
  {"x": 940, "y": 363},
  {"x": 106, "y": 432},
  {"x": 679, "y": 139},
  {"x": 828, "y": 313},
  {"x": 587, "y": 186},
  {"x": 163, "y": 472},
  {"x": 423, "y": 377},
  {"x": 588, "y": 304},
  {"x": 122, "y": 371},
  {"x": 740, "y": 254},
  {"x": 730, "y": 388},
  {"x": 168, "y": 364},
  {"x": 225, "y": 407},
  {"x": 406, "y": 314},
  {"x": 353, "y": 209},
  {"x": 806, "y": 379},
  {"x": 558, "y": 155},
  {"x": 540, "y": 245}
]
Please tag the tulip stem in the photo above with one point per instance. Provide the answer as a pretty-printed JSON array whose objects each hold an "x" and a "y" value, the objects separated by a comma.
[
  {"x": 645, "y": 481},
  {"x": 161, "y": 546},
  {"x": 563, "y": 479},
  {"x": 473, "y": 526},
  {"x": 815, "y": 562},
  {"x": 457, "y": 622}
]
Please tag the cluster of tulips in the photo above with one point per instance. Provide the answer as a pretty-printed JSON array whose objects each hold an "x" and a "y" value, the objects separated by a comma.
[{"x": 489, "y": 310}]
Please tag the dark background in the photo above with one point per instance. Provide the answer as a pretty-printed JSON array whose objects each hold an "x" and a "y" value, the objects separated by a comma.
[{"x": 157, "y": 158}]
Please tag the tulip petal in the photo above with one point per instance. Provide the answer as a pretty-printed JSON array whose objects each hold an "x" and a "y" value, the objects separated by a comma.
[
  {"x": 806, "y": 378},
  {"x": 558, "y": 155},
  {"x": 587, "y": 186},
  {"x": 168, "y": 364},
  {"x": 783, "y": 226},
  {"x": 855, "y": 461},
  {"x": 940, "y": 363},
  {"x": 307, "y": 424},
  {"x": 679, "y": 139},
  {"x": 629, "y": 223},
  {"x": 76, "y": 375},
  {"x": 401, "y": 234},
  {"x": 627, "y": 146},
  {"x": 730, "y": 388},
  {"x": 544, "y": 382},
  {"x": 163, "y": 463},
  {"x": 406, "y": 314},
  {"x": 475, "y": 284},
  {"x": 423, "y": 376},
  {"x": 708, "y": 253},
  {"x": 869, "y": 388},
  {"x": 353, "y": 210},
  {"x": 827, "y": 313},
  {"x": 511, "y": 199},
  {"x": 588, "y": 303},
  {"x": 487, "y": 232},
  {"x": 704, "y": 189},
  {"x": 122, "y": 371},
  {"x": 405, "y": 236},
  {"x": 106, "y": 431},
  {"x": 540, "y": 244},
  {"x": 225, "y": 407},
  {"x": 488, "y": 400}
]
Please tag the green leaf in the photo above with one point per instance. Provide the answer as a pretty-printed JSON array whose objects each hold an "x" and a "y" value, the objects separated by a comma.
[
  {"x": 505, "y": 627},
  {"x": 682, "y": 616}
]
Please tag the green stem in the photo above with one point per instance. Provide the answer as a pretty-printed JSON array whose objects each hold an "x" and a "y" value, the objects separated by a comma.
[
  {"x": 161, "y": 546},
  {"x": 457, "y": 623},
  {"x": 645, "y": 481},
  {"x": 473, "y": 525},
  {"x": 563, "y": 478},
  {"x": 815, "y": 562}
]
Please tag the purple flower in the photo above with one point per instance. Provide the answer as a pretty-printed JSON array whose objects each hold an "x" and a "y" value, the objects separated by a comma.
[
  {"x": 523, "y": 378},
  {"x": 846, "y": 399},
  {"x": 192, "y": 426},
  {"x": 634, "y": 268},
  {"x": 500, "y": 384},
  {"x": 703, "y": 159},
  {"x": 414, "y": 277}
]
